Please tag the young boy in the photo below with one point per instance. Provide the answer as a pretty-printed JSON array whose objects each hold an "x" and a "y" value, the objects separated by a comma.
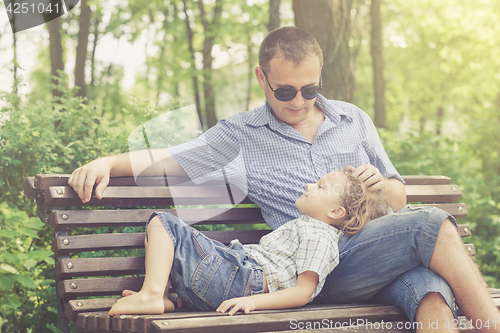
[{"x": 286, "y": 269}]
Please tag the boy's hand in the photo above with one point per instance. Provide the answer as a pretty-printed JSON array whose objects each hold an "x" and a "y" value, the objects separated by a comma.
[{"x": 245, "y": 304}]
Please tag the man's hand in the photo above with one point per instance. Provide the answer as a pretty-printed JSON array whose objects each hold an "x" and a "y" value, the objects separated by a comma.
[
  {"x": 245, "y": 304},
  {"x": 84, "y": 178},
  {"x": 370, "y": 176},
  {"x": 391, "y": 189}
]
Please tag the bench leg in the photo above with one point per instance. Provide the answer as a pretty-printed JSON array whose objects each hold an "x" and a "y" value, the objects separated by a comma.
[{"x": 63, "y": 320}]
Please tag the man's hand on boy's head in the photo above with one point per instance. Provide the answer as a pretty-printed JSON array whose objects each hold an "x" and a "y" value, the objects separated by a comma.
[{"x": 370, "y": 176}]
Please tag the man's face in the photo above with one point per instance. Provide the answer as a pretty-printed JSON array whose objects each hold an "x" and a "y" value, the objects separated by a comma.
[{"x": 286, "y": 74}]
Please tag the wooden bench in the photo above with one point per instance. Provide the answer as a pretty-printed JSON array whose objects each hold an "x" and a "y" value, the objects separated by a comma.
[{"x": 99, "y": 248}]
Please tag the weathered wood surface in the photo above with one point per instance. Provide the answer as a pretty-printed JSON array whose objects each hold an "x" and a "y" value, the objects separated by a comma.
[{"x": 101, "y": 277}]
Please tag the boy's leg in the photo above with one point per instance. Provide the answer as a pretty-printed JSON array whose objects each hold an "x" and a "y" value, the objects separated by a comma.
[{"x": 159, "y": 257}]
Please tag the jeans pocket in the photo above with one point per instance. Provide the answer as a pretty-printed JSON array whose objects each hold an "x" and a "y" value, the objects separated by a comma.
[{"x": 212, "y": 280}]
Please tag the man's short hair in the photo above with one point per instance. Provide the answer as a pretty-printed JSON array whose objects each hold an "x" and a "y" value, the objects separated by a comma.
[{"x": 293, "y": 43}]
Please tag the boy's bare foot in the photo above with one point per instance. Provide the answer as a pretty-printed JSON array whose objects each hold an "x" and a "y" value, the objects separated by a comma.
[
  {"x": 168, "y": 300},
  {"x": 141, "y": 303}
]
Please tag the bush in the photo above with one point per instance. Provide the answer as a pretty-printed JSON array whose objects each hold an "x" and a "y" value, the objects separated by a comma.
[
  {"x": 46, "y": 137},
  {"x": 466, "y": 161}
]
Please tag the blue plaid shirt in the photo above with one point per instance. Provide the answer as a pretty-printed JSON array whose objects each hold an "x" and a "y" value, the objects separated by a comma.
[{"x": 273, "y": 162}]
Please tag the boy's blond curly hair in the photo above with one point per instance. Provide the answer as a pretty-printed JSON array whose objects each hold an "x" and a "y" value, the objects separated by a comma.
[{"x": 361, "y": 205}]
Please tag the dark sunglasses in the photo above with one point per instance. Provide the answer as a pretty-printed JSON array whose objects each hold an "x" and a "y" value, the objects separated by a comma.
[{"x": 287, "y": 94}]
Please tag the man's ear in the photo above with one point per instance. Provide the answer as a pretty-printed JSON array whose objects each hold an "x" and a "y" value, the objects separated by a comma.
[
  {"x": 260, "y": 77},
  {"x": 337, "y": 212}
]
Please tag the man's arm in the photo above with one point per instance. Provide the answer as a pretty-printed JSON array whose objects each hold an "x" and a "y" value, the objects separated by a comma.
[
  {"x": 391, "y": 189},
  {"x": 152, "y": 162},
  {"x": 296, "y": 296}
]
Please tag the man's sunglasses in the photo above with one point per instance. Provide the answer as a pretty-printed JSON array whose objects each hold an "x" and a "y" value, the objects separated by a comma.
[{"x": 287, "y": 94}]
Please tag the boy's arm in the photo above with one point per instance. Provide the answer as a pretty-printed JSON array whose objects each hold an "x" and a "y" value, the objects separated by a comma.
[{"x": 296, "y": 296}]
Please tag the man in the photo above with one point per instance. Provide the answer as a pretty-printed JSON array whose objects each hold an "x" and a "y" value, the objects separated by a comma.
[{"x": 297, "y": 137}]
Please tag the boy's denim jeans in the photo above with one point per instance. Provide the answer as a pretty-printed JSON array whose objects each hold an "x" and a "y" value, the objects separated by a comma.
[
  {"x": 388, "y": 260},
  {"x": 205, "y": 272}
]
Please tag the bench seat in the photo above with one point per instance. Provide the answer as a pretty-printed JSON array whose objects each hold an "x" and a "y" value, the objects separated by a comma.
[{"x": 99, "y": 250}]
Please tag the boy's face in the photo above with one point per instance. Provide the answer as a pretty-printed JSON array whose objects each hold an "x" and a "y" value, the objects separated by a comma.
[{"x": 322, "y": 197}]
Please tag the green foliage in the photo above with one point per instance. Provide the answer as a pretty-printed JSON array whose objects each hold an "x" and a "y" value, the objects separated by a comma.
[
  {"x": 466, "y": 161},
  {"x": 26, "y": 268},
  {"x": 46, "y": 137}
]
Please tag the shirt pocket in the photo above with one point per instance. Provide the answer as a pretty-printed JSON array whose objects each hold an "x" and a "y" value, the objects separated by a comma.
[{"x": 354, "y": 157}]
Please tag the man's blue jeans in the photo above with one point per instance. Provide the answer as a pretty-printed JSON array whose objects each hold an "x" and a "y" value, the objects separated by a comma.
[{"x": 388, "y": 260}]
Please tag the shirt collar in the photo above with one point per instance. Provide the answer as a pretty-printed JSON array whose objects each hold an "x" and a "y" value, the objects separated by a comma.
[
  {"x": 307, "y": 218},
  {"x": 263, "y": 115}
]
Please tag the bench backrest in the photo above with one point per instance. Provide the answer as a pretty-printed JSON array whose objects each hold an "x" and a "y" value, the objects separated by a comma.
[{"x": 99, "y": 246}]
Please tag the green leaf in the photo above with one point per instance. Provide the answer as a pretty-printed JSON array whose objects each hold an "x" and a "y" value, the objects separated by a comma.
[
  {"x": 16, "y": 218},
  {"x": 35, "y": 223},
  {"x": 14, "y": 301},
  {"x": 8, "y": 268},
  {"x": 50, "y": 261},
  {"x": 30, "y": 263},
  {"x": 22, "y": 256},
  {"x": 40, "y": 254},
  {"x": 9, "y": 233},
  {"x": 29, "y": 232},
  {"x": 9, "y": 257},
  {"x": 26, "y": 282},
  {"x": 7, "y": 281}
]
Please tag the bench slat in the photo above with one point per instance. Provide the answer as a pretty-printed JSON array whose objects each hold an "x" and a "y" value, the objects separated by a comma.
[
  {"x": 87, "y": 318},
  {"x": 138, "y": 217},
  {"x": 82, "y": 243},
  {"x": 458, "y": 210},
  {"x": 470, "y": 249},
  {"x": 44, "y": 181},
  {"x": 98, "y": 286},
  {"x": 29, "y": 188},
  {"x": 79, "y": 267},
  {"x": 266, "y": 322},
  {"x": 432, "y": 193},
  {"x": 64, "y": 196},
  {"x": 85, "y": 243},
  {"x": 426, "y": 180}
]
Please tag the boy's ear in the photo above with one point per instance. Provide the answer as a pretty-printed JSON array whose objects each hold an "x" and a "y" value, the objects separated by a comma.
[{"x": 338, "y": 212}]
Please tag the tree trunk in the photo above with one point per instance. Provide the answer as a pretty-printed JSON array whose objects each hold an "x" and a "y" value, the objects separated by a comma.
[
  {"x": 274, "y": 15},
  {"x": 193, "y": 66},
  {"x": 56, "y": 53},
  {"x": 81, "y": 49},
  {"x": 210, "y": 30},
  {"x": 376, "y": 47},
  {"x": 498, "y": 107},
  {"x": 94, "y": 47},
  {"x": 329, "y": 22},
  {"x": 439, "y": 121}
]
